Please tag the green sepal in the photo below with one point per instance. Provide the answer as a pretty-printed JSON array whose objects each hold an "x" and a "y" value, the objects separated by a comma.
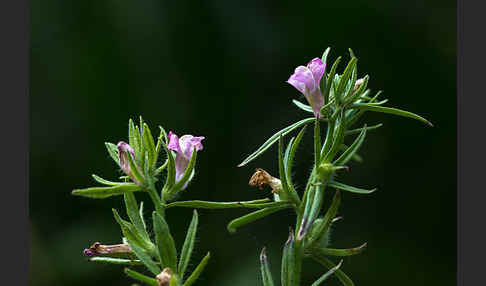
[
  {"x": 188, "y": 245},
  {"x": 265, "y": 269},
  {"x": 134, "y": 169},
  {"x": 317, "y": 143},
  {"x": 274, "y": 138},
  {"x": 170, "y": 169},
  {"x": 119, "y": 261},
  {"x": 193, "y": 277},
  {"x": 105, "y": 192},
  {"x": 105, "y": 182},
  {"x": 389, "y": 110},
  {"x": 330, "y": 79},
  {"x": 288, "y": 257},
  {"x": 251, "y": 217},
  {"x": 345, "y": 280},
  {"x": 353, "y": 97},
  {"x": 140, "y": 277},
  {"x": 113, "y": 152},
  {"x": 348, "y": 154},
  {"x": 327, "y": 274},
  {"x": 149, "y": 147},
  {"x": 133, "y": 213},
  {"x": 188, "y": 173},
  {"x": 164, "y": 241},
  {"x": 341, "y": 186}
]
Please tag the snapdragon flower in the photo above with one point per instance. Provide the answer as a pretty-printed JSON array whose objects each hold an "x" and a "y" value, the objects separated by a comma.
[
  {"x": 125, "y": 150},
  {"x": 306, "y": 80},
  {"x": 184, "y": 147}
]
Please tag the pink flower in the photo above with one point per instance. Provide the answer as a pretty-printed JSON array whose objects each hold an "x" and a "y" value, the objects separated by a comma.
[
  {"x": 184, "y": 147},
  {"x": 306, "y": 80},
  {"x": 123, "y": 150}
]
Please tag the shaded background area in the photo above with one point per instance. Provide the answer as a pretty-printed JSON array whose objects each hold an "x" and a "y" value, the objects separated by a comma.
[{"x": 218, "y": 69}]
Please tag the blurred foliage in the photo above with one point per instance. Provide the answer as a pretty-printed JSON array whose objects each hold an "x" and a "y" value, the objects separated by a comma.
[{"x": 218, "y": 69}]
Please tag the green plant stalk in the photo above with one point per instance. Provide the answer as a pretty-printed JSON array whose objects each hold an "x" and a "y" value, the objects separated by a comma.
[{"x": 157, "y": 201}]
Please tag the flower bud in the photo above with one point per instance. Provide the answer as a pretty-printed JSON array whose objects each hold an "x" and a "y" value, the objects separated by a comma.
[
  {"x": 125, "y": 150},
  {"x": 261, "y": 178},
  {"x": 358, "y": 83},
  {"x": 99, "y": 249},
  {"x": 325, "y": 171},
  {"x": 163, "y": 279}
]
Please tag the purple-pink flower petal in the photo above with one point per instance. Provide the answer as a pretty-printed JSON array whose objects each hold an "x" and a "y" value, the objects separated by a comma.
[
  {"x": 184, "y": 147},
  {"x": 173, "y": 142},
  {"x": 317, "y": 67},
  {"x": 302, "y": 78}
]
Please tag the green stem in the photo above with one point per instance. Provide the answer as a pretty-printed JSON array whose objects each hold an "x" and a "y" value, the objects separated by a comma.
[{"x": 157, "y": 201}]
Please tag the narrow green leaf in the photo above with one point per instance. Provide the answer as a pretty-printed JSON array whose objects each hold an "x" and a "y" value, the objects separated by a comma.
[
  {"x": 161, "y": 168},
  {"x": 251, "y": 217},
  {"x": 140, "y": 277},
  {"x": 389, "y": 110},
  {"x": 340, "y": 252},
  {"x": 325, "y": 54},
  {"x": 290, "y": 159},
  {"x": 133, "y": 137},
  {"x": 197, "y": 271},
  {"x": 330, "y": 79},
  {"x": 105, "y": 182},
  {"x": 130, "y": 233},
  {"x": 219, "y": 205},
  {"x": 322, "y": 84},
  {"x": 347, "y": 155},
  {"x": 341, "y": 186},
  {"x": 105, "y": 192},
  {"x": 188, "y": 245},
  {"x": 274, "y": 139},
  {"x": 355, "y": 114},
  {"x": 144, "y": 257},
  {"x": 265, "y": 269},
  {"x": 323, "y": 227},
  {"x": 113, "y": 151},
  {"x": 134, "y": 215},
  {"x": 343, "y": 81},
  {"x": 165, "y": 242},
  {"x": 286, "y": 272},
  {"x": 302, "y": 106},
  {"x": 327, "y": 274},
  {"x": 355, "y": 156},
  {"x": 345, "y": 280},
  {"x": 140, "y": 212},
  {"x": 149, "y": 146},
  {"x": 282, "y": 169},
  {"x": 119, "y": 261},
  {"x": 358, "y": 130},
  {"x": 162, "y": 136}
]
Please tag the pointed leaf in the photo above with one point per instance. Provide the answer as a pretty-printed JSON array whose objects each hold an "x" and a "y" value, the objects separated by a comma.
[
  {"x": 197, "y": 271},
  {"x": 251, "y": 217},
  {"x": 330, "y": 79},
  {"x": 302, "y": 106},
  {"x": 140, "y": 277},
  {"x": 343, "y": 81},
  {"x": 105, "y": 192},
  {"x": 395, "y": 111},
  {"x": 323, "y": 226},
  {"x": 358, "y": 130},
  {"x": 256, "y": 204},
  {"x": 274, "y": 139},
  {"x": 348, "y": 154},
  {"x": 327, "y": 274},
  {"x": 149, "y": 146},
  {"x": 340, "y": 252},
  {"x": 134, "y": 215},
  {"x": 188, "y": 245},
  {"x": 105, "y": 182},
  {"x": 345, "y": 280},
  {"x": 135, "y": 170},
  {"x": 119, "y": 261},
  {"x": 165, "y": 242},
  {"x": 144, "y": 257},
  {"x": 290, "y": 159},
  {"x": 265, "y": 270},
  {"x": 341, "y": 186},
  {"x": 113, "y": 151}
]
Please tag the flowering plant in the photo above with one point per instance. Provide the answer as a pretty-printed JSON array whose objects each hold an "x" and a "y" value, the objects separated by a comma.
[{"x": 337, "y": 100}]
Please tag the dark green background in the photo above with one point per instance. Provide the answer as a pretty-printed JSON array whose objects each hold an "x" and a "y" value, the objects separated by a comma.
[{"x": 218, "y": 69}]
